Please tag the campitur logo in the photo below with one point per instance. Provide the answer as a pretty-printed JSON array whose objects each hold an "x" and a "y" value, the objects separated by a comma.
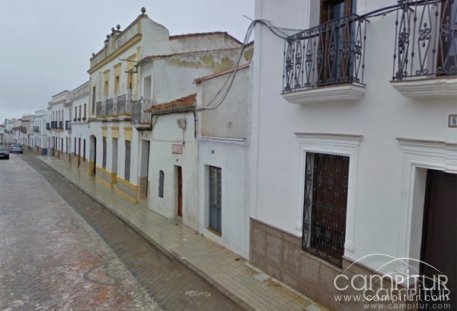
[{"x": 395, "y": 284}]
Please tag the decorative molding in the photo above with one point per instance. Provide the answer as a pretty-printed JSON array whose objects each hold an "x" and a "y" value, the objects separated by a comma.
[
  {"x": 435, "y": 154},
  {"x": 419, "y": 155},
  {"x": 427, "y": 88},
  {"x": 339, "y": 93}
]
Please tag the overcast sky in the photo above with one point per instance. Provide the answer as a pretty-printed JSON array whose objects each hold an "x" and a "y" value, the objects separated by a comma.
[{"x": 45, "y": 45}]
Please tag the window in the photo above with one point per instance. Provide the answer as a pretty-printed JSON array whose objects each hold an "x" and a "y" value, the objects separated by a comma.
[
  {"x": 79, "y": 115},
  {"x": 84, "y": 112},
  {"x": 117, "y": 78},
  {"x": 147, "y": 85},
  {"x": 127, "y": 160},
  {"x": 74, "y": 146},
  {"x": 76, "y": 113},
  {"x": 325, "y": 205},
  {"x": 104, "y": 153},
  {"x": 84, "y": 150},
  {"x": 93, "y": 99},
  {"x": 214, "y": 199},
  {"x": 161, "y": 183},
  {"x": 116, "y": 84}
]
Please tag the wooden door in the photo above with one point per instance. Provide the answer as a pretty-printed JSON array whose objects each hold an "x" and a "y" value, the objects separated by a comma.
[
  {"x": 179, "y": 184},
  {"x": 335, "y": 41},
  {"x": 439, "y": 237}
]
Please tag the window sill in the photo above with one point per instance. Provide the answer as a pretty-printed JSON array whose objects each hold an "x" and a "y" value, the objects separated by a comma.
[
  {"x": 437, "y": 88},
  {"x": 337, "y": 93}
]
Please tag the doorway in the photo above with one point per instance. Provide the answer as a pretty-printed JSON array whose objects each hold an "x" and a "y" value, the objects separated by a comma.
[
  {"x": 336, "y": 40},
  {"x": 144, "y": 169},
  {"x": 114, "y": 160},
  {"x": 178, "y": 175},
  {"x": 93, "y": 156},
  {"x": 439, "y": 236},
  {"x": 79, "y": 152}
]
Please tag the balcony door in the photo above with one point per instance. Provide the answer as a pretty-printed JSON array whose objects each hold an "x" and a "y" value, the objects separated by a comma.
[{"x": 335, "y": 41}]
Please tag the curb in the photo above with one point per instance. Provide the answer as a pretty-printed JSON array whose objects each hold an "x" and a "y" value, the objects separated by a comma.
[{"x": 167, "y": 252}]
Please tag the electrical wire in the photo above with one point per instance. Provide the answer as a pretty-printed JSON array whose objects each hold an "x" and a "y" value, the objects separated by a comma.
[{"x": 285, "y": 34}]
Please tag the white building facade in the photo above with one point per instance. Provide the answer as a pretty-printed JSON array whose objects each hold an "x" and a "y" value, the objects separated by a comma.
[
  {"x": 80, "y": 127},
  {"x": 353, "y": 132},
  {"x": 169, "y": 126},
  {"x": 59, "y": 116},
  {"x": 40, "y": 137},
  {"x": 223, "y": 155}
]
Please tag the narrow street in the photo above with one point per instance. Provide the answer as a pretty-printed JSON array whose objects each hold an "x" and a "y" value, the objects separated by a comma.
[{"x": 60, "y": 250}]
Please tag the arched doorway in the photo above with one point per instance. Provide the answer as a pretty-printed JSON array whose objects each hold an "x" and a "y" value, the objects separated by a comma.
[{"x": 93, "y": 156}]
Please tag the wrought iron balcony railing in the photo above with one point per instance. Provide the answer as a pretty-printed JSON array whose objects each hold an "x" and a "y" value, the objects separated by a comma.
[
  {"x": 68, "y": 125},
  {"x": 331, "y": 53},
  {"x": 36, "y": 129},
  {"x": 139, "y": 116},
  {"x": 100, "y": 109},
  {"x": 112, "y": 108},
  {"x": 48, "y": 125},
  {"x": 124, "y": 104},
  {"x": 60, "y": 126},
  {"x": 425, "y": 39},
  {"x": 109, "y": 103}
]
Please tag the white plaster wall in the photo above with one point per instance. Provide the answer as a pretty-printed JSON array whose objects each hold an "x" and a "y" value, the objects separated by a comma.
[
  {"x": 381, "y": 116},
  {"x": 232, "y": 158},
  {"x": 155, "y": 38},
  {"x": 202, "y": 43},
  {"x": 230, "y": 118},
  {"x": 173, "y": 77},
  {"x": 162, "y": 137}
]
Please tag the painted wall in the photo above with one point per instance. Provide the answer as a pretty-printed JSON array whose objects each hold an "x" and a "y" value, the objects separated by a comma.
[
  {"x": 164, "y": 134},
  {"x": 229, "y": 119},
  {"x": 379, "y": 212},
  {"x": 188, "y": 43},
  {"x": 224, "y": 143}
]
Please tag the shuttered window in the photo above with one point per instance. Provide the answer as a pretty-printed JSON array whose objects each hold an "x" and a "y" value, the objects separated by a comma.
[{"x": 324, "y": 216}]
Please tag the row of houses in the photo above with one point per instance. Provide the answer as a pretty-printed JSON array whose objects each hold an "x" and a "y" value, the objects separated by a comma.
[{"x": 335, "y": 146}]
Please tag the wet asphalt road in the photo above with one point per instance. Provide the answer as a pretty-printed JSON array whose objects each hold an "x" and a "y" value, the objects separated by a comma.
[{"x": 60, "y": 250}]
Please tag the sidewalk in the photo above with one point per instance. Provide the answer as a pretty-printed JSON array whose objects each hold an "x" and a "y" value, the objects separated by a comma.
[{"x": 224, "y": 269}]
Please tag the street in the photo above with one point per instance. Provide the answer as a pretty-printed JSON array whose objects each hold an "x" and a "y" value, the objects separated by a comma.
[{"x": 60, "y": 250}]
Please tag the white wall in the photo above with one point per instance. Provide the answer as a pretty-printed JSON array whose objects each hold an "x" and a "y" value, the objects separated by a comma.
[
  {"x": 380, "y": 118},
  {"x": 231, "y": 157},
  {"x": 162, "y": 137}
]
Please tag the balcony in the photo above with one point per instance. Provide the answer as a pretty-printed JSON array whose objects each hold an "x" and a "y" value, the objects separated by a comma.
[
  {"x": 36, "y": 129},
  {"x": 141, "y": 119},
  {"x": 326, "y": 63},
  {"x": 68, "y": 125},
  {"x": 110, "y": 108},
  {"x": 124, "y": 104},
  {"x": 100, "y": 109},
  {"x": 60, "y": 125},
  {"x": 48, "y": 126},
  {"x": 54, "y": 125},
  {"x": 425, "y": 57}
]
